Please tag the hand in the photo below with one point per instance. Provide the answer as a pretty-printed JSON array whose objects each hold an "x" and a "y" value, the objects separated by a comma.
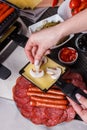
[
  {"x": 40, "y": 43},
  {"x": 81, "y": 110}
]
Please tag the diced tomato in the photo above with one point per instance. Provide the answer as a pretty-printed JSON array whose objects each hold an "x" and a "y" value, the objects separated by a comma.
[
  {"x": 74, "y": 3},
  {"x": 74, "y": 11},
  {"x": 77, "y": 6},
  {"x": 82, "y": 6},
  {"x": 68, "y": 54},
  {"x": 83, "y": 0}
]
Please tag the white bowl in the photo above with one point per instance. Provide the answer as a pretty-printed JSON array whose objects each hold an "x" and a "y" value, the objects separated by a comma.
[
  {"x": 38, "y": 26},
  {"x": 81, "y": 42},
  {"x": 64, "y": 10},
  {"x": 71, "y": 61}
]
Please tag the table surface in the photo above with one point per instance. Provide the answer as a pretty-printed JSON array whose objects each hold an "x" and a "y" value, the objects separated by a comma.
[{"x": 15, "y": 63}]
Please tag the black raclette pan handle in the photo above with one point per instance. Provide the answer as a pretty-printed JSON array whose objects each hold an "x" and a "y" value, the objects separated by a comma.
[
  {"x": 70, "y": 90},
  {"x": 19, "y": 39},
  {"x": 4, "y": 72}
]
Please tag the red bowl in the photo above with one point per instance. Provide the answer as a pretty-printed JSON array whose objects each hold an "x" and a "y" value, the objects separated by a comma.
[{"x": 68, "y": 55}]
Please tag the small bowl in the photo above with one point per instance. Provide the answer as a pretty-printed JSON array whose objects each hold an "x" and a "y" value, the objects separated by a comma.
[
  {"x": 81, "y": 42},
  {"x": 68, "y": 55}
]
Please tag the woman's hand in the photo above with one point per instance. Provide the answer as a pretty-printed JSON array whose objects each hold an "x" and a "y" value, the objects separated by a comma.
[
  {"x": 81, "y": 110},
  {"x": 39, "y": 43}
]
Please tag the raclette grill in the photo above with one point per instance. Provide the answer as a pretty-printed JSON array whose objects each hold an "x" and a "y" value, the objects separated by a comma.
[
  {"x": 12, "y": 34},
  {"x": 8, "y": 22},
  {"x": 10, "y": 30},
  {"x": 9, "y": 19}
]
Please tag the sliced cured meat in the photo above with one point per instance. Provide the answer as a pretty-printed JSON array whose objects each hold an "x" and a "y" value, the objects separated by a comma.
[
  {"x": 45, "y": 115},
  {"x": 55, "y": 116},
  {"x": 38, "y": 115},
  {"x": 71, "y": 113},
  {"x": 20, "y": 92},
  {"x": 72, "y": 75},
  {"x": 79, "y": 83}
]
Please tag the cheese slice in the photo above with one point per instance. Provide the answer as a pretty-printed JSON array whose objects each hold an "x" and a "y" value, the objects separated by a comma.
[
  {"x": 44, "y": 82},
  {"x": 25, "y": 3}
]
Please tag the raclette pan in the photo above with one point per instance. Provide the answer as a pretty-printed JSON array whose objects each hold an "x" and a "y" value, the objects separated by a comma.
[{"x": 46, "y": 82}]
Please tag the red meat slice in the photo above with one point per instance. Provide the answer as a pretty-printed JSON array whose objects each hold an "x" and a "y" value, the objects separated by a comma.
[
  {"x": 70, "y": 112},
  {"x": 55, "y": 116},
  {"x": 72, "y": 75},
  {"x": 44, "y": 115}
]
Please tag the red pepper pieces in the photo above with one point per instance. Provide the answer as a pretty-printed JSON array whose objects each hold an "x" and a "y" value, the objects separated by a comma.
[{"x": 68, "y": 54}]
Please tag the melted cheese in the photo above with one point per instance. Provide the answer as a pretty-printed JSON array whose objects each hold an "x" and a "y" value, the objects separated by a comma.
[{"x": 45, "y": 82}]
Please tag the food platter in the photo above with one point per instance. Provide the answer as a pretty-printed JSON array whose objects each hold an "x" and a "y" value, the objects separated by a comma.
[{"x": 50, "y": 20}]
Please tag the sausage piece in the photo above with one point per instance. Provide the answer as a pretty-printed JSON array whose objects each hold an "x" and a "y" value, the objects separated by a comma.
[
  {"x": 49, "y": 100},
  {"x": 48, "y": 95},
  {"x": 52, "y": 90},
  {"x": 40, "y": 104}
]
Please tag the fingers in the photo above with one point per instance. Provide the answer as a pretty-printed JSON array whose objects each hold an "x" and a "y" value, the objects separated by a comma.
[
  {"x": 29, "y": 54},
  {"x": 85, "y": 91},
  {"x": 82, "y": 100},
  {"x": 34, "y": 50},
  {"x": 30, "y": 50},
  {"x": 47, "y": 52},
  {"x": 76, "y": 107},
  {"x": 81, "y": 110},
  {"x": 41, "y": 51}
]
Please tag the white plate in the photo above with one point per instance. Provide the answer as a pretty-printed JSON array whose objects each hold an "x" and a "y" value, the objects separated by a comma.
[
  {"x": 64, "y": 10},
  {"x": 37, "y": 26}
]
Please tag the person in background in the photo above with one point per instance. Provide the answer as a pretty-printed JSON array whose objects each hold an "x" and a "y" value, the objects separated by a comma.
[{"x": 39, "y": 44}]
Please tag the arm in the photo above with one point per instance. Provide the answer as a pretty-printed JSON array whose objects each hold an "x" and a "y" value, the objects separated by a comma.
[
  {"x": 40, "y": 42},
  {"x": 76, "y": 24}
]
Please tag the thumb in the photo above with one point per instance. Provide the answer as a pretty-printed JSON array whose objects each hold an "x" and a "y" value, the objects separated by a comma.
[{"x": 82, "y": 99}]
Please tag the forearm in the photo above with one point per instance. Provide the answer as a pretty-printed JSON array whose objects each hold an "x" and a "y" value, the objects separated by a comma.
[{"x": 75, "y": 24}]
